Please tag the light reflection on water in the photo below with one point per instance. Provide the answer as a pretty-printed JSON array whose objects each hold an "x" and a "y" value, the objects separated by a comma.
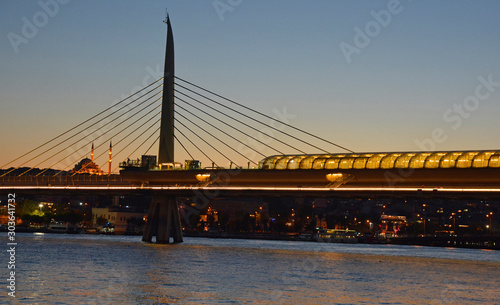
[{"x": 93, "y": 269}]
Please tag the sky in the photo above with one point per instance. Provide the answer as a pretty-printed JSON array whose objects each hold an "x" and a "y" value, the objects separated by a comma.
[{"x": 369, "y": 75}]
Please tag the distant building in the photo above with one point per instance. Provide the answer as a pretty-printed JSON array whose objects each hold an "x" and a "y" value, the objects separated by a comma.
[
  {"x": 118, "y": 216},
  {"x": 391, "y": 224},
  {"x": 87, "y": 166}
]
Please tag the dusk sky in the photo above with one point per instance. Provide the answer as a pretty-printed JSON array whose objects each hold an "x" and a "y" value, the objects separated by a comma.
[{"x": 368, "y": 75}]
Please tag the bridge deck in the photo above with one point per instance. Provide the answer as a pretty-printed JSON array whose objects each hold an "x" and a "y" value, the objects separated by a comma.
[{"x": 435, "y": 178}]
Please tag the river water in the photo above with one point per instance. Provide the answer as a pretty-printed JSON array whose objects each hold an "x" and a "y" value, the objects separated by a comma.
[{"x": 97, "y": 269}]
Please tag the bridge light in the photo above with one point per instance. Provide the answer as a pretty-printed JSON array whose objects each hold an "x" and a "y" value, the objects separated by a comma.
[
  {"x": 202, "y": 177},
  {"x": 333, "y": 177}
]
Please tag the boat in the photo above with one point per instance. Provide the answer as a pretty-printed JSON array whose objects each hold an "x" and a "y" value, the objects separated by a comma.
[
  {"x": 63, "y": 227},
  {"x": 337, "y": 236}
]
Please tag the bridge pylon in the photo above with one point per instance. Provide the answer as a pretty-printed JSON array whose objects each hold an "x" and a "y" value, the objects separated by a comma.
[
  {"x": 164, "y": 220},
  {"x": 166, "y": 147}
]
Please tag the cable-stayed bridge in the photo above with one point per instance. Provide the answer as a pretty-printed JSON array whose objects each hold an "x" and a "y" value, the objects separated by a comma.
[{"x": 261, "y": 155}]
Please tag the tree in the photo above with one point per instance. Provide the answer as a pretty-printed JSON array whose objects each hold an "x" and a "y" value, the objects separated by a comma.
[
  {"x": 26, "y": 206},
  {"x": 26, "y": 218},
  {"x": 37, "y": 219}
]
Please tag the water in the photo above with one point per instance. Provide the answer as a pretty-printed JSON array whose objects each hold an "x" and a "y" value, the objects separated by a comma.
[{"x": 94, "y": 269}]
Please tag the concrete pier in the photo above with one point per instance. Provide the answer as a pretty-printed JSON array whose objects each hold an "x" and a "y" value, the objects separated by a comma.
[{"x": 164, "y": 221}]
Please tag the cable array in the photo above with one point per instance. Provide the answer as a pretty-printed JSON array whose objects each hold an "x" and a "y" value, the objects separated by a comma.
[
  {"x": 241, "y": 129},
  {"x": 215, "y": 128},
  {"x": 124, "y": 119}
]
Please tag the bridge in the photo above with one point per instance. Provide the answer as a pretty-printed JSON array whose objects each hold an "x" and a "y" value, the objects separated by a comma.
[{"x": 203, "y": 120}]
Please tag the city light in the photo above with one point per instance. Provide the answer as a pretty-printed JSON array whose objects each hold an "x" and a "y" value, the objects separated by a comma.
[{"x": 489, "y": 216}]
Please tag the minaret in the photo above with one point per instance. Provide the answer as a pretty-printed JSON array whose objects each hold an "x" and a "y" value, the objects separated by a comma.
[
  {"x": 109, "y": 159},
  {"x": 166, "y": 150},
  {"x": 92, "y": 153}
]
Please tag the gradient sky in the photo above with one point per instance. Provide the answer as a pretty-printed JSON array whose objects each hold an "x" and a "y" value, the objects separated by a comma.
[{"x": 402, "y": 86}]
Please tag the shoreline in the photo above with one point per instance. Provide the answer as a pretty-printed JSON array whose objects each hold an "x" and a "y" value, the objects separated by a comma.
[
  {"x": 471, "y": 242},
  {"x": 491, "y": 242}
]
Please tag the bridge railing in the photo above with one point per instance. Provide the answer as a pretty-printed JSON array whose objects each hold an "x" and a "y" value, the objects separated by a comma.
[{"x": 60, "y": 179}]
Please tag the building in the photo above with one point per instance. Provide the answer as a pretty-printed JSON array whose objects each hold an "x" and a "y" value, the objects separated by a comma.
[
  {"x": 119, "y": 217},
  {"x": 391, "y": 224},
  {"x": 87, "y": 166}
]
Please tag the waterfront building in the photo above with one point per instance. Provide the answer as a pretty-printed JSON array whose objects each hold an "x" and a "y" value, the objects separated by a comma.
[{"x": 118, "y": 216}]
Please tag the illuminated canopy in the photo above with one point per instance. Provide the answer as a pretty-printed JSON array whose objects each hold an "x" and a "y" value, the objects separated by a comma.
[{"x": 442, "y": 159}]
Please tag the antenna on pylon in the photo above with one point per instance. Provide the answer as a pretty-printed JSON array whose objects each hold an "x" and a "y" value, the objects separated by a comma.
[{"x": 166, "y": 16}]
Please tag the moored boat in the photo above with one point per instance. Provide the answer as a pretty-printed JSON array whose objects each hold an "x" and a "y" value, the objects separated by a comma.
[
  {"x": 63, "y": 227},
  {"x": 336, "y": 236}
]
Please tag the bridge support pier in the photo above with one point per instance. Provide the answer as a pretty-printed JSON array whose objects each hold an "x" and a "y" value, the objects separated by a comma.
[{"x": 163, "y": 220}]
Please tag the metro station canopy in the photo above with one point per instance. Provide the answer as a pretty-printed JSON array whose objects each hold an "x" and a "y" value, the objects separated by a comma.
[{"x": 413, "y": 160}]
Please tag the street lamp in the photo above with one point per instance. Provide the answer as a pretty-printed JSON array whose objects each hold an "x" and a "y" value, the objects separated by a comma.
[
  {"x": 490, "y": 215},
  {"x": 41, "y": 206}
]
